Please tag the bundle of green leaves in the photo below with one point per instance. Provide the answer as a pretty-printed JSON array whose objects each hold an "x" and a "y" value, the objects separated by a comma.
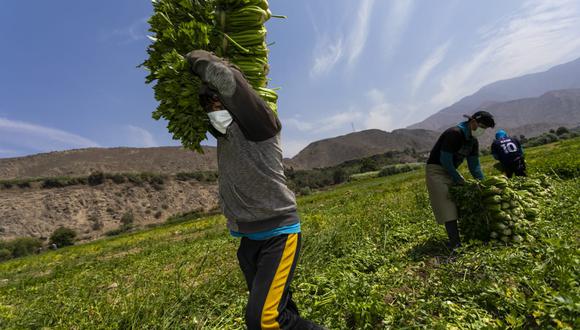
[
  {"x": 232, "y": 29},
  {"x": 501, "y": 209}
]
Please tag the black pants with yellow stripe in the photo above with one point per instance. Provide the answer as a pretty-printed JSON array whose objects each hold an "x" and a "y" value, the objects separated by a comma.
[{"x": 268, "y": 267}]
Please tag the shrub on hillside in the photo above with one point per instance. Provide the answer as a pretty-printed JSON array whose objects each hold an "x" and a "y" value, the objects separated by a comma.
[
  {"x": 187, "y": 216},
  {"x": 198, "y": 176},
  {"x": 53, "y": 183},
  {"x": 127, "y": 221},
  {"x": 63, "y": 236},
  {"x": 5, "y": 254},
  {"x": 25, "y": 184},
  {"x": 186, "y": 176},
  {"x": 305, "y": 191},
  {"x": 396, "y": 169},
  {"x": 136, "y": 179},
  {"x": 368, "y": 165},
  {"x": 115, "y": 232},
  {"x": 96, "y": 179},
  {"x": 211, "y": 176},
  {"x": 23, "y": 246},
  {"x": 95, "y": 221},
  {"x": 562, "y": 130},
  {"x": 156, "y": 179},
  {"x": 339, "y": 175},
  {"x": 117, "y": 178}
]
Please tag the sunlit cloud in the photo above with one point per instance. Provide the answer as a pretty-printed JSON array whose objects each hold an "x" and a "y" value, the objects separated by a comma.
[
  {"x": 37, "y": 138},
  {"x": 358, "y": 36},
  {"x": 140, "y": 137},
  {"x": 432, "y": 61},
  {"x": 330, "y": 50},
  {"x": 8, "y": 153},
  {"x": 395, "y": 24},
  {"x": 135, "y": 31},
  {"x": 331, "y": 123},
  {"x": 328, "y": 54},
  {"x": 380, "y": 114}
]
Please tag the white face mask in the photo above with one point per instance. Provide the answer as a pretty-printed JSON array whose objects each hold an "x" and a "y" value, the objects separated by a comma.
[
  {"x": 220, "y": 120},
  {"x": 478, "y": 132}
]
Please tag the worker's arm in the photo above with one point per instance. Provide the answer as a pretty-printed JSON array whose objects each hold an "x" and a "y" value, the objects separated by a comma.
[
  {"x": 249, "y": 111},
  {"x": 475, "y": 167},
  {"x": 446, "y": 159}
]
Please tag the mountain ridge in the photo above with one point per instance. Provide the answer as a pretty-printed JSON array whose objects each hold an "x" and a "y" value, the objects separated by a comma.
[{"x": 559, "y": 77}]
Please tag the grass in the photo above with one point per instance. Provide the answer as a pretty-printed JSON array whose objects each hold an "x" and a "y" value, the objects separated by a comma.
[{"x": 373, "y": 257}]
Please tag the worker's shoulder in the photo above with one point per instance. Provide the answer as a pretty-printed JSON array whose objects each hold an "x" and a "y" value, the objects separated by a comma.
[{"x": 453, "y": 131}]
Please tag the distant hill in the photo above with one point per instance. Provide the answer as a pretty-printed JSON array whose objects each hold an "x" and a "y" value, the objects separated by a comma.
[
  {"x": 333, "y": 151},
  {"x": 536, "y": 115},
  {"x": 561, "y": 107},
  {"x": 564, "y": 76},
  {"x": 82, "y": 162}
]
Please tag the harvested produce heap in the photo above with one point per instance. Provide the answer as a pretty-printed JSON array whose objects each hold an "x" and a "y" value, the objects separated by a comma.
[
  {"x": 232, "y": 29},
  {"x": 501, "y": 209}
]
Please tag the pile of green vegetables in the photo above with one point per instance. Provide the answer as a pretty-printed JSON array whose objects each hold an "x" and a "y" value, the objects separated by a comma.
[
  {"x": 500, "y": 209},
  {"x": 232, "y": 29}
]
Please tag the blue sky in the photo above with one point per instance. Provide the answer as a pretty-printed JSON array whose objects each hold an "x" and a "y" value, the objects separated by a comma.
[{"x": 69, "y": 77}]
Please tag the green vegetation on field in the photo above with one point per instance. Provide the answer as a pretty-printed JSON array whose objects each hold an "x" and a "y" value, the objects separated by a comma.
[
  {"x": 390, "y": 162},
  {"x": 372, "y": 257},
  {"x": 97, "y": 178}
]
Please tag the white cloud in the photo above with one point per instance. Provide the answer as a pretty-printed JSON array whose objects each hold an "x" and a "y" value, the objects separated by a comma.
[
  {"x": 380, "y": 113},
  {"x": 328, "y": 53},
  {"x": 140, "y": 137},
  {"x": 136, "y": 31},
  {"x": 359, "y": 34},
  {"x": 7, "y": 153},
  {"x": 372, "y": 112},
  {"x": 542, "y": 34},
  {"x": 38, "y": 138},
  {"x": 428, "y": 65},
  {"x": 395, "y": 23},
  {"x": 331, "y": 50},
  {"x": 324, "y": 125}
]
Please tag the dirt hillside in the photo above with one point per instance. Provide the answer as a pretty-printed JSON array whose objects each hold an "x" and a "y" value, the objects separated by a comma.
[{"x": 93, "y": 210}]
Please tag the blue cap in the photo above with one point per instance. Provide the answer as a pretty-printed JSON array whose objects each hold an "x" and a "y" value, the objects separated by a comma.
[{"x": 500, "y": 134}]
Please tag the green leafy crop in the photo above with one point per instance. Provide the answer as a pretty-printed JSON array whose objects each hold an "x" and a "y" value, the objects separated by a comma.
[{"x": 232, "y": 29}]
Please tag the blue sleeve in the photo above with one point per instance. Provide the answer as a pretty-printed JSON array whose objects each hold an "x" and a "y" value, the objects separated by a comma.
[
  {"x": 522, "y": 149},
  {"x": 474, "y": 167},
  {"x": 446, "y": 160}
]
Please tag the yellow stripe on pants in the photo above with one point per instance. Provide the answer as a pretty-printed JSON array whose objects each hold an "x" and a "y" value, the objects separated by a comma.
[{"x": 270, "y": 310}]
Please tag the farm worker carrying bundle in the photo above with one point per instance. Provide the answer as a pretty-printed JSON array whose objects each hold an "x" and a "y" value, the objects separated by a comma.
[
  {"x": 258, "y": 205},
  {"x": 510, "y": 153},
  {"x": 453, "y": 146}
]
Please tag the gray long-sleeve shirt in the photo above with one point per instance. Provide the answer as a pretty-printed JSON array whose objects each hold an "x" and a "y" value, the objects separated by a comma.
[{"x": 252, "y": 185}]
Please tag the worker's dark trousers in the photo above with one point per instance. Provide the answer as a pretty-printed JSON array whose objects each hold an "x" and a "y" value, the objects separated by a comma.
[
  {"x": 268, "y": 267},
  {"x": 518, "y": 167}
]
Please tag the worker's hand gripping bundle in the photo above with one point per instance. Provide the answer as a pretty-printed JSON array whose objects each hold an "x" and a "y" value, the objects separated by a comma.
[
  {"x": 500, "y": 209},
  {"x": 232, "y": 29}
]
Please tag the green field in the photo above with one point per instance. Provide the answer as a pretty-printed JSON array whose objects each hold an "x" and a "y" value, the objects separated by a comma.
[{"x": 372, "y": 257}]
